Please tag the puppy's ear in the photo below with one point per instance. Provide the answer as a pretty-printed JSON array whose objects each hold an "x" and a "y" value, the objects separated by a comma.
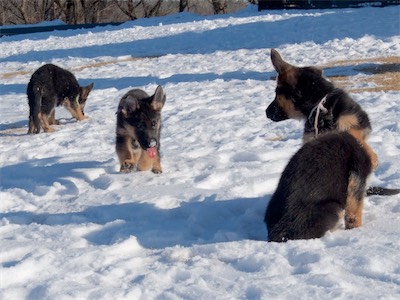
[
  {"x": 158, "y": 99},
  {"x": 85, "y": 90},
  {"x": 128, "y": 105},
  {"x": 90, "y": 86},
  {"x": 279, "y": 64},
  {"x": 319, "y": 71}
]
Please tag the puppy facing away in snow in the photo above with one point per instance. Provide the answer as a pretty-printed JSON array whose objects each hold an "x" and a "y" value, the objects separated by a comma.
[
  {"x": 138, "y": 130},
  {"x": 325, "y": 178},
  {"x": 51, "y": 86},
  {"x": 304, "y": 93}
]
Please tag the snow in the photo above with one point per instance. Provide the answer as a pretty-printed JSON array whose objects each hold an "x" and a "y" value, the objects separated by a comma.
[{"x": 73, "y": 227}]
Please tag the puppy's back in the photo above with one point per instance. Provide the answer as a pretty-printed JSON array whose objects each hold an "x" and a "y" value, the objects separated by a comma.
[{"x": 313, "y": 187}]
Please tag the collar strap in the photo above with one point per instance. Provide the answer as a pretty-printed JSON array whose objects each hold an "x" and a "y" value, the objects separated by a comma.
[{"x": 317, "y": 108}]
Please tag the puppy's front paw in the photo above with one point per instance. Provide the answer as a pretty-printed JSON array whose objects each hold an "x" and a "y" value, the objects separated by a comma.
[
  {"x": 156, "y": 171},
  {"x": 127, "y": 167}
]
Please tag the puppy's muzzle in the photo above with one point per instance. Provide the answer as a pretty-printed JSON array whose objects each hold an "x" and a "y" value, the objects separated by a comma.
[{"x": 153, "y": 143}]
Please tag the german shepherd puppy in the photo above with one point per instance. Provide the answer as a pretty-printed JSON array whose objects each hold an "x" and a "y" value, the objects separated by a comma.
[
  {"x": 304, "y": 93},
  {"x": 138, "y": 130},
  {"x": 51, "y": 86},
  {"x": 324, "y": 178}
]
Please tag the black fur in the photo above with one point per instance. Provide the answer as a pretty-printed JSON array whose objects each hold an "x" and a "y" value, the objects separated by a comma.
[
  {"x": 305, "y": 88},
  {"x": 52, "y": 86},
  {"x": 313, "y": 188},
  {"x": 374, "y": 190},
  {"x": 139, "y": 129},
  {"x": 299, "y": 91}
]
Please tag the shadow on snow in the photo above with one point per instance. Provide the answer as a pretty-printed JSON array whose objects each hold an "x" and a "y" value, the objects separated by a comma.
[
  {"x": 255, "y": 35},
  {"x": 189, "y": 224}
]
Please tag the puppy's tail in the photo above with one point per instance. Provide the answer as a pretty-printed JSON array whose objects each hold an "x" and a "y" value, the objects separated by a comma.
[{"x": 375, "y": 190}]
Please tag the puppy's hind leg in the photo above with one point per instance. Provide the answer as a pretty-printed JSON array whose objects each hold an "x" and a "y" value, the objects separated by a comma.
[
  {"x": 52, "y": 119},
  {"x": 32, "y": 127},
  {"x": 44, "y": 122},
  {"x": 354, "y": 202}
]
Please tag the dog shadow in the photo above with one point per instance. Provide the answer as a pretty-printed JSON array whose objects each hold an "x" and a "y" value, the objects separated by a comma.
[
  {"x": 20, "y": 128},
  {"x": 17, "y": 128}
]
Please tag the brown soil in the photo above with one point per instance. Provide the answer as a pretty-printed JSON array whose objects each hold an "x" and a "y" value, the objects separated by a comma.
[
  {"x": 381, "y": 74},
  {"x": 92, "y": 65}
]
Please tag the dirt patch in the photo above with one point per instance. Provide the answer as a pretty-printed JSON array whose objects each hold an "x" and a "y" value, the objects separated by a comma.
[
  {"x": 381, "y": 82},
  {"x": 354, "y": 62},
  {"x": 14, "y": 74},
  {"x": 80, "y": 68},
  {"x": 373, "y": 74}
]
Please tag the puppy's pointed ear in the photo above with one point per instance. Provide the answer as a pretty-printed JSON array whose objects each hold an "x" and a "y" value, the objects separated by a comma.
[
  {"x": 158, "y": 99},
  {"x": 128, "y": 105},
  {"x": 90, "y": 86},
  {"x": 85, "y": 90},
  {"x": 279, "y": 64},
  {"x": 319, "y": 71}
]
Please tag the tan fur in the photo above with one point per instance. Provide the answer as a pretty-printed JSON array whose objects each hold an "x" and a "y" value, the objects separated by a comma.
[
  {"x": 345, "y": 122},
  {"x": 75, "y": 112},
  {"x": 289, "y": 75},
  {"x": 45, "y": 123},
  {"x": 146, "y": 163},
  {"x": 136, "y": 157},
  {"x": 126, "y": 155},
  {"x": 288, "y": 107},
  {"x": 52, "y": 119},
  {"x": 354, "y": 207},
  {"x": 361, "y": 137},
  {"x": 86, "y": 90},
  {"x": 31, "y": 125}
]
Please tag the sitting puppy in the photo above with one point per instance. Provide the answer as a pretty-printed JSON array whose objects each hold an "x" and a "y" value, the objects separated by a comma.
[
  {"x": 138, "y": 130},
  {"x": 324, "y": 178},
  {"x": 304, "y": 93},
  {"x": 51, "y": 86}
]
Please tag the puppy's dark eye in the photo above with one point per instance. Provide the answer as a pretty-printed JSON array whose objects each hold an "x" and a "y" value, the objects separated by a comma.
[{"x": 286, "y": 92}]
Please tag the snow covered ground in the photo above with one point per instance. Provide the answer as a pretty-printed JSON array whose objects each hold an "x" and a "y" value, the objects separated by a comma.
[{"x": 72, "y": 227}]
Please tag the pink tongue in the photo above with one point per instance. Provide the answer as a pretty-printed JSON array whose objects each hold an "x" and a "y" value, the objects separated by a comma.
[{"x": 151, "y": 152}]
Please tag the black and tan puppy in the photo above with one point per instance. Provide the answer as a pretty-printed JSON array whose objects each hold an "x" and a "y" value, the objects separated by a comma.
[
  {"x": 304, "y": 93},
  {"x": 51, "y": 86},
  {"x": 325, "y": 178},
  {"x": 139, "y": 129}
]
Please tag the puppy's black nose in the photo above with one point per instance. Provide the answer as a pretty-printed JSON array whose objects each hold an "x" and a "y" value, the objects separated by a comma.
[{"x": 153, "y": 143}]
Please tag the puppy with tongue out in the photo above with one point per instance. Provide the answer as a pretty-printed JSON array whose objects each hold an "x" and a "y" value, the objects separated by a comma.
[{"x": 138, "y": 130}]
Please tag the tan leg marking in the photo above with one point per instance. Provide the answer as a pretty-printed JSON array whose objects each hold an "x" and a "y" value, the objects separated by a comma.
[
  {"x": 44, "y": 122},
  {"x": 157, "y": 165},
  {"x": 145, "y": 162},
  {"x": 52, "y": 119},
  {"x": 32, "y": 127},
  {"x": 360, "y": 136},
  {"x": 127, "y": 156},
  {"x": 354, "y": 206}
]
